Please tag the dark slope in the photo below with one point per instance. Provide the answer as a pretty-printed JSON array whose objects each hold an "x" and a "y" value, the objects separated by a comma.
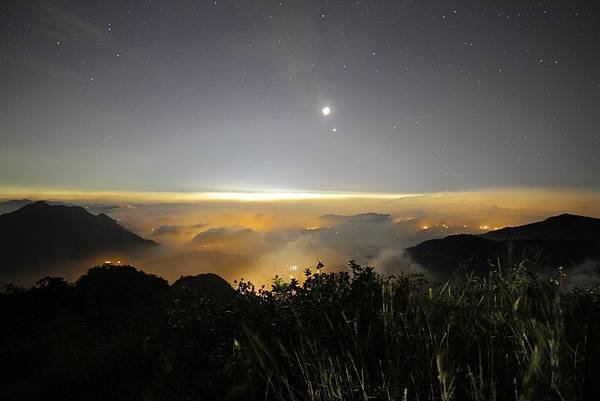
[
  {"x": 561, "y": 227},
  {"x": 453, "y": 253},
  {"x": 207, "y": 285},
  {"x": 564, "y": 240},
  {"x": 13, "y": 204},
  {"x": 40, "y": 234}
]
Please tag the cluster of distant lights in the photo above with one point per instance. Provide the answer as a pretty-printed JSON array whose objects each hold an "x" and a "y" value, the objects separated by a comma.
[
  {"x": 484, "y": 227},
  {"x": 443, "y": 226},
  {"x": 295, "y": 269},
  {"x": 446, "y": 226}
]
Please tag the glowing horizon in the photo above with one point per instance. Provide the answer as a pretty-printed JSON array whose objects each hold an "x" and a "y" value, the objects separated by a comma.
[
  {"x": 258, "y": 195},
  {"x": 290, "y": 195},
  {"x": 254, "y": 234}
]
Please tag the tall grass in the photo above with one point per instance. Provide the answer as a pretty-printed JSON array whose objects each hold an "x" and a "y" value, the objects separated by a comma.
[
  {"x": 119, "y": 334},
  {"x": 505, "y": 336}
]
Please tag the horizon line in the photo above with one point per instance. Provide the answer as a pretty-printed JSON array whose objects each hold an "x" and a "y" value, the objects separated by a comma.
[{"x": 258, "y": 195}]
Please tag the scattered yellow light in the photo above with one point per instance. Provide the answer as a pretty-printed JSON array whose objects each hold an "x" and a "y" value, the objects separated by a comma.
[{"x": 425, "y": 227}]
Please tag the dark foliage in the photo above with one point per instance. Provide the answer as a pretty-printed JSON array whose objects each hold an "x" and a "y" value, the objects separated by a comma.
[{"x": 120, "y": 334}]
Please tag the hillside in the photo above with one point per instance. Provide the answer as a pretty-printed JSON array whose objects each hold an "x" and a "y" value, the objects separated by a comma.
[
  {"x": 207, "y": 284},
  {"x": 559, "y": 241},
  {"x": 561, "y": 227},
  {"x": 13, "y": 204},
  {"x": 94, "y": 208},
  {"x": 39, "y": 234}
]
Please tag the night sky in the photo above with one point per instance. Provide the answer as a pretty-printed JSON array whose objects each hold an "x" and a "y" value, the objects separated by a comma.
[{"x": 187, "y": 96}]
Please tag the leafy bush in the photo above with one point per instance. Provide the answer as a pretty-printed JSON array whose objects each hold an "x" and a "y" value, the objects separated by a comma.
[{"x": 353, "y": 335}]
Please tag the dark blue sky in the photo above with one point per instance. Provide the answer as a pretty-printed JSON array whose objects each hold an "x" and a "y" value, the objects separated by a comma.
[{"x": 227, "y": 95}]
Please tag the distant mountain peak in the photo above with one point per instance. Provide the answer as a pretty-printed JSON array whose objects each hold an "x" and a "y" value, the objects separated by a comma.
[
  {"x": 41, "y": 204},
  {"x": 563, "y": 240},
  {"x": 206, "y": 284},
  {"x": 57, "y": 212},
  {"x": 560, "y": 227},
  {"x": 40, "y": 233},
  {"x": 570, "y": 217}
]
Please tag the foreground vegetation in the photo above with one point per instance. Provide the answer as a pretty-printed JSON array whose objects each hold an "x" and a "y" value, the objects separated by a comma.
[{"x": 119, "y": 334}]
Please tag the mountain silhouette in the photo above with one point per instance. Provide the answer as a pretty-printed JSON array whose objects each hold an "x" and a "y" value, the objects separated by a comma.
[
  {"x": 561, "y": 227},
  {"x": 208, "y": 285},
  {"x": 445, "y": 256},
  {"x": 39, "y": 234},
  {"x": 13, "y": 204},
  {"x": 560, "y": 241}
]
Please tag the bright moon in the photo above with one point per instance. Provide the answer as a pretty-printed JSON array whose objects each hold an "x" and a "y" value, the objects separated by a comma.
[{"x": 326, "y": 111}]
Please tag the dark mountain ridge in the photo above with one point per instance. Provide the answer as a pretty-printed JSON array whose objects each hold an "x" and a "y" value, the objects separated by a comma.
[
  {"x": 15, "y": 204},
  {"x": 206, "y": 284},
  {"x": 39, "y": 234},
  {"x": 559, "y": 241},
  {"x": 561, "y": 227}
]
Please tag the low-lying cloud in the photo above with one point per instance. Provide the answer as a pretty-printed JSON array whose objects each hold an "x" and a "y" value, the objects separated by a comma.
[
  {"x": 175, "y": 229},
  {"x": 257, "y": 240},
  {"x": 375, "y": 239}
]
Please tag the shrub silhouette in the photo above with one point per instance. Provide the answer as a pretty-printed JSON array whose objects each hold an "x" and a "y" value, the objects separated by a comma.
[{"x": 118, "y": 333}]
